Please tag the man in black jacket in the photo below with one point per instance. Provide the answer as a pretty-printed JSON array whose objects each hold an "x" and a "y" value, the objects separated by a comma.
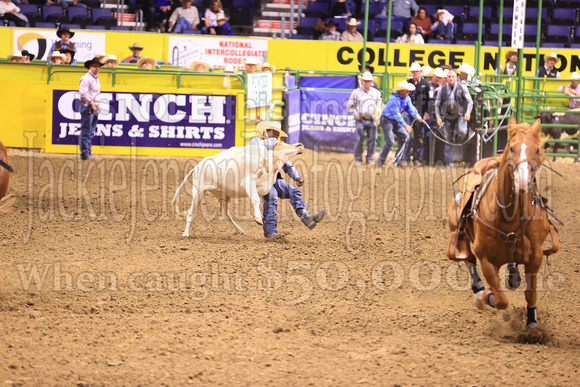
[{"x": 420, "y": 97}]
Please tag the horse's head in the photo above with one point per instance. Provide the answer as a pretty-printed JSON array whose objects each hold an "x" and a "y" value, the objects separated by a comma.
[{"x": 523, "y": 153}]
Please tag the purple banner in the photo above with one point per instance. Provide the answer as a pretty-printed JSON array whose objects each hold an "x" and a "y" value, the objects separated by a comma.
[
  {"x": 149, "y": 120},
  {"x": 325, "y": 123}
]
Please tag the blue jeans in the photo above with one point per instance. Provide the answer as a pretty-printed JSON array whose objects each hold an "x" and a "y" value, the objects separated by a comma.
[
  {"x": 455, "y": 132},
  {"x": 182, "y": 25},
  {"x": 283, "y": 190},
  {"x": 88, "y": 129},
  {"x": 391, "y": 127},
  {"x": 371, "y": 129}
]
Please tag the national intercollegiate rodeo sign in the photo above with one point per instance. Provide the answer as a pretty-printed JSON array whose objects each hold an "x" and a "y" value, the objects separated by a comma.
[{"x": 147, "y": 120}]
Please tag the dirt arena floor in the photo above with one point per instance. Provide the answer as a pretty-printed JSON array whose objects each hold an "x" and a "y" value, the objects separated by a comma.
[{"x": 98, "y": 287}]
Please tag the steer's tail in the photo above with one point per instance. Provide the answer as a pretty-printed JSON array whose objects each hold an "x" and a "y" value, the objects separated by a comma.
[{"x": 175, "y": 202}]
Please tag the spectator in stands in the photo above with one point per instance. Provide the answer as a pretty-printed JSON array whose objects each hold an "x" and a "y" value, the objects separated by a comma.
[
  {"x": 57, "y": 58},
  {"x": 27, "y": 57},
  {"x": 453, "y": 108},
  {"x": 330, "y": 33},
  {"x": 343, "y": 8},
  {"x": 403, "y": 10},
  {"x": 351, "y": 34},
  {"x": 251, "y": 65},
  {"x": 89, "y": 89},
  {"x": 412, "y": 37},
  {"x": 572, "y": 90},
  {"x": 69, "y": 3},
  {"x": 424, "y": 22},
  {"x": 442, "y": 29},
  {"x": 136, "y": 49},
  {"x": 420, "y": 97},
  {"x": 467, "y": 74},
  {"x": 200, "y": 67},
  {"x": 65, "y": 36},
  {"x": 222, "y": 26},
  {"x": 16, "y": 57},
  {"x": 393, "y": 121},
  {"x": 146, "y": 63},
  {"x": 10, "y": 12},
  {"x": 548, "y": 70},
  {"x": 111, "y": 61},
  {"x": 211, "y": 15},
  {"x": 511, "y": 59},
  {"x": 69, "y": 56},
  {"x": 267, "y": 68},
  {"x": 362, "y": 104},
  {"x": 184, "y": 18},
  {"x": 102, "y": 55}
]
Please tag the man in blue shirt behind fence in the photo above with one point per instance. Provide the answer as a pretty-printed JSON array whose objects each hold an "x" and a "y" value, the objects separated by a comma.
[{"x": 392, "y": 121}]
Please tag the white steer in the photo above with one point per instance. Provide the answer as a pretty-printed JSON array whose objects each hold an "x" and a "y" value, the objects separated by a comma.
[{"x": 249, "y": 170}]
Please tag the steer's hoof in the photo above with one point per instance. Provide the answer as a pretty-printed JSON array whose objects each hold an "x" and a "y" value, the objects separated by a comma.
[
  {"x": 478, "y": 300},
  {"x": 258, "y": 220}
]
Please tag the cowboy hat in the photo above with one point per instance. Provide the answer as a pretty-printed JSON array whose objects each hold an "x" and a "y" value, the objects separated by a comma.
[
  {"x": 367, "y": 76},
  {"x": 58, "y": 54},
  {"x": 111, "y": 58},
  {"x": 28, "y": 54},
  {"x": 510, "y": 53},
  {"x": 427, "y": 71},
  {"x": 331, "y": 22},
  {"x": 251, "y": 61},
  {"x": 552, "y": 56},
  {"x": 265, "y": 125},
  {"x": 229, "y": 69},
  {"x": 17, "y": 54},
  {"x": 64, "y": 29},
  {"x": 404, "y": 85},
  {"x": 94, "y": 61},
  {"x": 136, "y": 46},
  {"x": 415, "y": 67},
  {"x": 194, "y": 64},
  {"x": 466, "y": 68},
  {"x": 352, "y": 22},
  {"x": 267, "y": 65},
  {"x": 143, "y": 60},
  {"x": 439, "y": 72},
  {"x": 71, "y": 52},
  {"x": 101, "y": 55},
  {"x": 221, "y": 16},
  {"x": 443, "y": 10},
  {"x": 575, "y": 75}
]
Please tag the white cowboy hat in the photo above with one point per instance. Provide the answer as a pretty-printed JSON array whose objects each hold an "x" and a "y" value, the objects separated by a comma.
[
  {"x": 575, "y": 75},
  {"x": 58, "y": 54},
  {"x": 17, "y": 54},
  {"x": 466, "y": 68},
  {"x": 267, "y": 65},
  {"x": 111, "y": 58},
  {"x": 404, "y": 85},
  {"x": 367, "y": 76},
  {"x": 439, "y": 72},
  {"x": 352, "y": 22},
  {"x": 427, "y": 71},
  {"x": 251, "y": 61},
  {"x": 552, "y": 56},
  {"x": 415, "y": 67},
  {"x": 445, "y": 72},
  {"x": 101, "y": 55},
  {"x": 229, "y": 69},
  {"x": 265, "y": 125}
]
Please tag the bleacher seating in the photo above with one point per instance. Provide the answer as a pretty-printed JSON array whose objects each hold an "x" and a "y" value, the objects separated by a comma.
[
  {"x": 307, "y": 26},
  {"x": 79, "y": 15},
  {"x": 53, "y": 13},
  {"x": 558, "y": 34},
  {"x": 103, "y": 17},
  {"x": 317, "y": 9}
]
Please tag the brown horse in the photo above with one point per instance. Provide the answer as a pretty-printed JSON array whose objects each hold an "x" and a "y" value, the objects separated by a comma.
[
  {"x": 5, "y": 171},
  {"x": 501, "y": 213}
]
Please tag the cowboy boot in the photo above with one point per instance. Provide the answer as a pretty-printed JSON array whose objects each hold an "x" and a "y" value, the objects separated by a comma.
[{"x": 308, "y": 219}]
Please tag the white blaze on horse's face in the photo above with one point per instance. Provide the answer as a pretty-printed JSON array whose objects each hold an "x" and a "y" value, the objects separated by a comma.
[{"x": 522, "y": 174}]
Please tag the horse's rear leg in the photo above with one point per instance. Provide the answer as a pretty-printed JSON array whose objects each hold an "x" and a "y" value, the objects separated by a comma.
[
  {"x": 195, "y": 201},
  {"x": 495, "y": 296},
  {"x": 531, "y": 295}
]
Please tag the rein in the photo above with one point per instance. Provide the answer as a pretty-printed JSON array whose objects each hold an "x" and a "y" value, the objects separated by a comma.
[{"x": 6, "y": 166}]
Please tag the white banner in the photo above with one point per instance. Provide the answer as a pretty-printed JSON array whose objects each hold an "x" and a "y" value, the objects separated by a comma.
[
  {"x": 217, "y": 52},
  {"x": 40, "y": 42},
  {"x": 519, "y": 23},
  {"x": 259, "y": 88}
]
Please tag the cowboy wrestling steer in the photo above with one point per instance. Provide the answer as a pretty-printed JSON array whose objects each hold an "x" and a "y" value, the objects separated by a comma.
[{"x": 250, "y": 170}]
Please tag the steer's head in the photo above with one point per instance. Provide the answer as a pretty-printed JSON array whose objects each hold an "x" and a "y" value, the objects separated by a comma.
[{"x": 286, "y": 151}]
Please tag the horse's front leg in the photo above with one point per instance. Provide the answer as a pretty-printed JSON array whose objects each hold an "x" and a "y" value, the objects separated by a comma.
[
  {"x": 494, "y": 296},
  {"x": 532, "y": 269}
]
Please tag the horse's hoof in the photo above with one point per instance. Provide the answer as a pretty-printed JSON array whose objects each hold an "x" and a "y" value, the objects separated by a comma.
[
  {"x": 513, "y": 280},
  {"x": 478, "y": 300},
  {"x": 533, "y": 325},
  {"x": 488, "y": 297}
]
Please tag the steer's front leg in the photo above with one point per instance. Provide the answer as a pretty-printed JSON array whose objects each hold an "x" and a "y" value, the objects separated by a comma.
[{"x": 249, "y": 185}]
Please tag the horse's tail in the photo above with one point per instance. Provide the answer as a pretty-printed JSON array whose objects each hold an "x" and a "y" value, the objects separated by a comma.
[{"x": 175, "y": 201}]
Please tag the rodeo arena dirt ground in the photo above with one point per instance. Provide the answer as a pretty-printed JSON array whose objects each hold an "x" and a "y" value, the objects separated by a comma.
[{"x": 98, "y": 287}]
